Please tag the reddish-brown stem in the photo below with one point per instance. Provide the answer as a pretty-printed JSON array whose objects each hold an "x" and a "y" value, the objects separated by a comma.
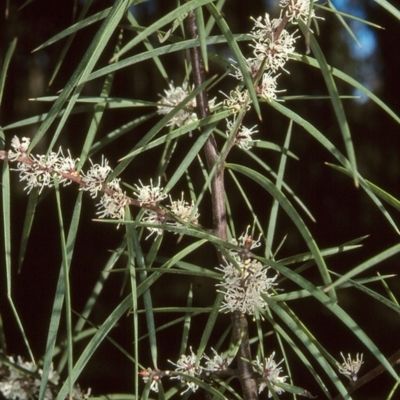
[
  {"x": 240, "y": 327},
  {"x": 78, "y": 180},
  {"x": 210, "y": 147}
]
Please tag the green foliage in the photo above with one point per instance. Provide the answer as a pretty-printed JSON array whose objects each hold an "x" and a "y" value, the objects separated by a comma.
[{"x": 185, "y": 248}]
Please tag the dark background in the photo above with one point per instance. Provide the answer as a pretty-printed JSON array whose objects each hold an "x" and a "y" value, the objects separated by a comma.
[{"x": 342, "y": 211}]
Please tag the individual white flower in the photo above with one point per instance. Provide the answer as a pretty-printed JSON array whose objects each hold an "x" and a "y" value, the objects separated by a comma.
[
  {"x": 173, "y": 97},
  {"x": 236, "y": 100},
  {"x": 151, "y": 217},
  {"x": 351, "y": 367},
  {"x": 66, "y": 165},
  {"x": 270, "y": 372},
  {"x": 276, "y": 51},
  {"x": 267, "y": 88},
  {"x": 150, "y": 195},
  {"x": 218, "y": 363},
  {"x": 96, "y": 176},
  {"x": 247, "y": 243},
  {"x": 20, "y": 149},
  {"x": 183, "y": 210},
  {"x": 297, "y": 9},
  {"x": 39, "y": 171},
  {"x": 244, "y": 285},
  {"x": 243, "y": 137},
  {"x": 187, "y": 365},
  {"x": 253, "y": 65},
  {"x": 113, "y": 205}
]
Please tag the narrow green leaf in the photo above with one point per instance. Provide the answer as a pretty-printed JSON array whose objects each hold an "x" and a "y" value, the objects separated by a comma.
[
  {"x": 26, "y": 230},
  {"x": 373, "y": 294},
  {"x": 67, "y": 288},
  {"x": 59, "y": 300},
  {"x": 294, "y": 216},
  {"x": 166, "y": 19},
  {"x": 190, "y": 156},
  {"x": 6, "y": 206},
  {"x": 75, "y": 28},
  {"x": 82, "y": 71},
  {"x": 335, "y": 309},
  {"x": 309, "y": 342},
  {"x": 346, "y": 15},
  {"x": 335, "y": 152},
  {"x": 208, "y": 329},
  {"x": 132, "y": 20},
  {"x": 201, "y": 30},
  {"x": 366, "y": 265},
  {"x": 343, "y": 22},
  {"x": 385, "y": 196},
  {"x": 351, "y": 81},
  {"x": 98, "y": 113},
  {"x": 93, "y": 297},
  {"x": 286, "y": 187},
  {"x": 179, "y": 132},
  {"x": 275, "y": 205},
  {"x": 335, "y": 99},
  {"x": 294, "y": 346},
  {"x": 186, "y": 324},
  {"x": 224, "y": 27},
  {"x": 94, "y": 343},
  {"x": 389, "y": 7},
  {"x": 6, "y": 64}
]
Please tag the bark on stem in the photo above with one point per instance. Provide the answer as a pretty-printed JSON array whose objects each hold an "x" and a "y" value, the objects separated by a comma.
[
  {"x": 240, "y": 326},
  {"x": 210, "y": 147}
]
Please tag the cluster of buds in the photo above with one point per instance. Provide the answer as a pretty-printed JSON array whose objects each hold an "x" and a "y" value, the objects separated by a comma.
[
  {"x": 190, "y": 366},
  {"x": 245, "y": 281},
  {"x": 40, "y": 171}
]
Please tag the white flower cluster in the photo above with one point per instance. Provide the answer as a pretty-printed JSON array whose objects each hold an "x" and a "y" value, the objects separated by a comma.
[
  {"x": 270, "y": 375},
  {"x": 350, "y": 367},
  {"x": 173, "y": 97},
  {"x": 38, "y": 171},
  {"x": 15, "y": 384},
  {"x": 243, "y": 137},
  {"x": 245, "y": 281},
  {"x": 298, "y": 9},
  {"x": 180, "y": 208},
  {"x": 184, "y": 211},
  {"x": 188, "y": 366},
  {"x": 272, "y": 48}
]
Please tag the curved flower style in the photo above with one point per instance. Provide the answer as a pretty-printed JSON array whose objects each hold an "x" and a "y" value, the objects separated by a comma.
[{"x": 187, "y": 365}]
